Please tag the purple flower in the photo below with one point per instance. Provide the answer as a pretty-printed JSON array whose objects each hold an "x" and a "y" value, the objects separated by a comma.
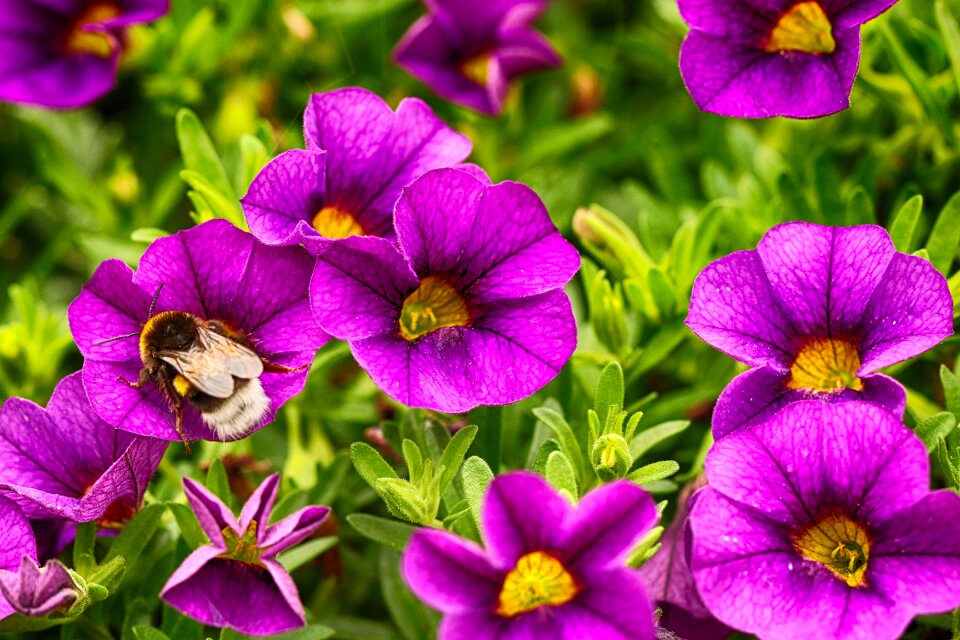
[
  {"x": 35, "y": 591},
  {"x": 64, "y": 54},
  {"x": 214, "y": 328},
  {"x": 236, "y": 581},
  {"x": 359, "y": 155},
  {"x": 16, "y": 543},
  {"x": 817, "y": 310},
  {"x": 470, "y": 311},
  {"x": 547, "y": 570},
  {"x": 764, "y": 58},
  {"x": 468, "y": 52},
  {"x": 671, "y": 582},
  {"x": 66, "y": 463},
  {"x": 820, "y": 524}
]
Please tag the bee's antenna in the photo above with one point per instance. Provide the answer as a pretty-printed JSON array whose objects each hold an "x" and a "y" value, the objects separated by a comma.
[
  {"x": 153, "y": 303},
  {"x": 129, "y": 335}
]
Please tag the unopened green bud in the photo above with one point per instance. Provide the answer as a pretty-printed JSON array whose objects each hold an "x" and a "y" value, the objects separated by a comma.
[
  {"x": 611, "y": 241},
  {"x": 608, "y": 313},
  {"x": 404, "y": 500},
  {"x": 611, "y": 457}
]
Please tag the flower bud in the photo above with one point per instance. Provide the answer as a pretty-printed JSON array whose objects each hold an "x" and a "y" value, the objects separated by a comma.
[
  {"x": 404, "y": 500},
  {"x": 36, "y": 592},
  {"x": 611, "y": 457}
]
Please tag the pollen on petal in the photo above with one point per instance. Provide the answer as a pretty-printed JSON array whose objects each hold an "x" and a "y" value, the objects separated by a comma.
[
  {"x": 537, "y": 580},
  {"x": 335, "y": 222},
  {"x": 840, "y": 544},
  {"x": 434, "y": 305},
  {"x": 826, "y": 365},
  {"x": 803, "y": 27},
  {"x": 80, "y": 39}
]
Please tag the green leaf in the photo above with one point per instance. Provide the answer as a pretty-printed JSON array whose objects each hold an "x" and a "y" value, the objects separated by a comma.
[
  {"x": 904, "y": 224},
  {"x": 388, "y": 532},
  {"x": 199, "y": 154},
  {"x": 654, "y": 472},
  {"x": 84, "y": 561},
  {"x": 218, "y": 204},
  {"x": 218, "y": 482},
  {"x": 945, "y": 236},
  {"x": 147, "y": 235},
  {"x": 370, "y": 464},
  {"x": 133, "y": 540},
  {"x": 477, "y": 476},
  {"x": 143, "y": 632},
  {"x": 935, "y": 428},
  {"x": 189, "y": 526},
  {"x": 565, "y": 436},
  {"x": 539, "y": 463},
  {"x": 411, "y": 617},
  {"x": 413, "y": 458},
  {"x": 561, "y": 475},
  {"x": 609, "y": 392},
  {"x": 309, "y": 632},
  {"x": 951, "y": 389},
  {"x": 860, "y": 208},
  {"x": 649, "y": 438},
  {"x": 454, "y": 453},
  {"x": 304, "y": 553},
  {"x": 951, "y": 36}
]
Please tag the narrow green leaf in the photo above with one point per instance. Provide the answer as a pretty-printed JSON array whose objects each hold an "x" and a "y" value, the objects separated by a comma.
[
  {"x": 561, "y": 475},
  {"x": 951, "y": 389},
  {"x": 649, "y": 438},
  {"x": 609, "y": 392},
  {"x": 539, "y": 463},
  {"x": 860, "y": 209},
  {"x": 565, "y": 436},
  {"x": 904, "y": 224},
  {"x": 935, "y": 428},
  {"x": 370, "y": 464},
  {"x": 301, "y": 554},
  {"x": 654, "y": 472},
  {"x": 945, "y": 236},
  {"x": 454, "y": 453},
  {"x": 143, "y": 632},
  {"x": 477, "y": 476},
  {"x": 199, "y": 153},
  {"x": 84, "y": 560},
  {"x": 133, "y": 540},
  {"x": 951, "y": 36},
  {"x": 189, "y": 526},
  {"x": 218, "y": 483},
  {"x": 413, "y": 458},
  {"x": 388, "y": 532},
  {"x": 220, "y": 205}
]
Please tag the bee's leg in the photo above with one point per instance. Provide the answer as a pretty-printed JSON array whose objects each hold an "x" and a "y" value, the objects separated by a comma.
[
  {"x": 178, "y": 413},
  {"x": 142, "y": 379},
  {"x": 272, "y": 367}
]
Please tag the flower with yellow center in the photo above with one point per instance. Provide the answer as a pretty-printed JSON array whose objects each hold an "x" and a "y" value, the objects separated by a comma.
[
  {"x": 826, "y": 365},
  {"x": 538, "y": 580},
  {"x": 98, "y": 43},
  {"x": 335, "y": 222},
  {"x": 434, "y": 305},
  {"x": 804, "y": 27},
  {"x": 838, "y": 543},
  {"x": 476, "y": 69}
]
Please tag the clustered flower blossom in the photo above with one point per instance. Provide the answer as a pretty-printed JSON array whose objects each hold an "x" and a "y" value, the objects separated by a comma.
[
  {"x": 65, "y": 54},
  {"x": 765, "y": 58}
]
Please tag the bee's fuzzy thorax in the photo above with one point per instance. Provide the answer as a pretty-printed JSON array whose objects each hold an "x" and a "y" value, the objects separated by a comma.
[{"x": 158, "y": 330}]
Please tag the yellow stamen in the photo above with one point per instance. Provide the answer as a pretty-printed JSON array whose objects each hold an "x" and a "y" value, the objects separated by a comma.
[
  {"x": 242, "y": 549},
  {"x": 434, "y": 305},
  {"x": 334, "y": 222},
  {"x": 477, "y": 69},
  {"x": 838, "y": 543},
  {"x": 803, "y": 27},
  {"x": 538, "y": 580},
  {"x": 97, "y": 43},
  {"x": 826, "y": 365}
]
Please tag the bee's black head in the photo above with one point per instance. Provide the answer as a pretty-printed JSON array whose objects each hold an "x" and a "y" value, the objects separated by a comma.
[{"x": 170, "y": 331}]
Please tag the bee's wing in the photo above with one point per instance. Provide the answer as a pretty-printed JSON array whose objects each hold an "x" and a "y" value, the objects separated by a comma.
[{"x": 212, "y": 366}]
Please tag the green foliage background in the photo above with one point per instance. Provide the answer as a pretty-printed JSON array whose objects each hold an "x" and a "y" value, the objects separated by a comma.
[{"x": 674, "y": 189}]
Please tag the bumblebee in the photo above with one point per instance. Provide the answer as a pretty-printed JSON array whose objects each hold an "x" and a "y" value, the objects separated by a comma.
[{"x": 209, "y": 365}]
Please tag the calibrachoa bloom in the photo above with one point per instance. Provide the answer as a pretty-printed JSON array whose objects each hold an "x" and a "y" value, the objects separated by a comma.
[
  {"x": 764, "y": 58},
  {"x": 16, "y": 543},
  {"x": 36, "y": 591},
  {"x": 471, "y": 312},
  {"x": 236, "y": 581},
  {"x": 817, "y": 310},
  {"x": 671, "y": 582},
  {"x": 214, "y": 327},
  {"x": 469, "y": 52},
  {"x": 64, "y": 54},
  {"x": 359, "y": 155},
  {"x": 65, "y": 462},
  {"x": 547, "y": 569},
  {"x": 820, "y": 524}
]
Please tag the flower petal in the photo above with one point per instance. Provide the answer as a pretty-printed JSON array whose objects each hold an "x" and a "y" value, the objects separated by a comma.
[
  {"x": 16, "y": 537},
  {"x": 294, "y": 528},
  {"x": 285, "y": 196},
  {"x": 600, "y": 611},
  {"x": 449, "y": 573},
  {"x": 259, "y": 505},
  {"x": 212, "y": 514},
  {"x": 730, "y": 19}
]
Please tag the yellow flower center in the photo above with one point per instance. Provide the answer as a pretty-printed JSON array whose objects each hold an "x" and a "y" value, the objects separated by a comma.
[
  {"x": 334, "y": 222},
  {"x": 434, "y": 305},
  {"x": 477, "y": 69},
  {"x": 839, "y": 544},
  {"x": 242, "y": 549},
  {"x": 538, "y": 580},
  {"x": 826, "y": 365},
  {"x": 97, "y": 43},
  {"x": 803, "y": 27}
]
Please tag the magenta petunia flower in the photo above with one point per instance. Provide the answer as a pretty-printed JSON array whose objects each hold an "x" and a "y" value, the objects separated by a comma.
[
  {"x": 819, "y": 524},
  {"x": 16, "y": 543},
  {"x": 66, "y": 463},
  {"x": 817, "y": 311},
  {"x": 359, "y": 155},
  {"x": 214, "y": 328},
  {"x": 547, "y": 569},
  {"x": 36, "y": 591},
  {"x": 470, "y": 311},
  {"x": 64, "y": 54},
  {"x": 765, "y": 58},
  {"x": 236, "y": 581},
  {"x": 469, "y": 52},
  {"x": 671, "y": 583}
]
